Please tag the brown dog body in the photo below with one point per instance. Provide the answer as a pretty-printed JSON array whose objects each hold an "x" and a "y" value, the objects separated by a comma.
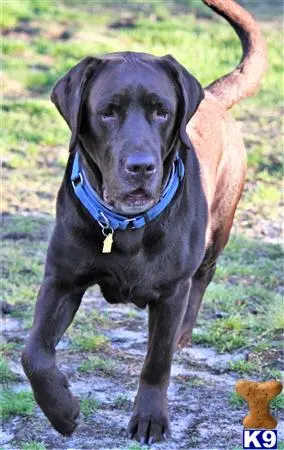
[
  {"x": 222, "y": 162},
  {"x": 223, "y": 169},
  {"x": 129, "y": 115}
]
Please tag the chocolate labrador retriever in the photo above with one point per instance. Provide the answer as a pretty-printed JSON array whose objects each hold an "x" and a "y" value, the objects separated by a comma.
[{"x": 155, "y": 172}]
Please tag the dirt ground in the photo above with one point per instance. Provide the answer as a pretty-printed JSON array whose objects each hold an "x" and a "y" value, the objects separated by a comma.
[{"x": 199, "y": 394}]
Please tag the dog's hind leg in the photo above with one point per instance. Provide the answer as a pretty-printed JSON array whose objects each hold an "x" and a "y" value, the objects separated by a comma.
[
  {"x": 199, "y": 283},
  {"x": 57, "y": 303},
  {"x": 225, "y": 209}
]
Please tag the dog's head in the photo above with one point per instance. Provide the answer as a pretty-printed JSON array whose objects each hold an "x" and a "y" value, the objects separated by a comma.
[{"x": 129, "y": 111}]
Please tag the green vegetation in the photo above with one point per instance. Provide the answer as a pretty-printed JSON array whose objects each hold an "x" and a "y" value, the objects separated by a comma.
[
  {"x": 96, "y": 364},
  {"x": 278, "y": 402},
  {"x": 224, "y": 334},
  {"x": 76, "y": 33},
  {"x": 88, "y": 406},
  {"x": 216, "y": 48},
  {"x": 136, "y": 446},
  {"x": 246, "y": 297},
  {"x": 132, "y": 314},
  {"x": 6, "y": 348},
  {"x": 33, "y": 445},
  {"x": 6, "y": 374},
  {"x": 121, "y": 401},
  {"x": 90, "y": 319},
  {"x": 243, "y": 366},
  {"x": 196, "y": 381},
  {"x": 23, "y": 252},
  {"x": 16, "y": 403},
  {"x": 89, "y": 342},
  {"x": 255, "y": 367},
  {"x": 236, "y": 401}
]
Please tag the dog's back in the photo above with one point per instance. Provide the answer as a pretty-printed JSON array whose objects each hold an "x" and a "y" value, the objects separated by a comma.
[{"x": 213, "y": 131}]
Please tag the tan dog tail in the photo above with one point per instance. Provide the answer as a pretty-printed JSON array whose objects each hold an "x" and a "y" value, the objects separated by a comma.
[{"x": 245, "y": 79}]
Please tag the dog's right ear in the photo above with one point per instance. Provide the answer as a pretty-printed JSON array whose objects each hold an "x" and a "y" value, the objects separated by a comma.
[
  {"x": 68, "y": 92},
  {"x": 190, "y": 94}
]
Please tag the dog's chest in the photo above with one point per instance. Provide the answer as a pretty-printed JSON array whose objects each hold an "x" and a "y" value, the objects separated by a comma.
[
  {"x": 129, "y": 285},
  {"x": 138, "y": 280}
]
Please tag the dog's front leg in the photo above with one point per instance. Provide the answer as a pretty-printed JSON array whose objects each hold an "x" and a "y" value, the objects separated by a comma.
[
  {"x": 55, "y": 308},
  {"x": 150, "y": 421}
]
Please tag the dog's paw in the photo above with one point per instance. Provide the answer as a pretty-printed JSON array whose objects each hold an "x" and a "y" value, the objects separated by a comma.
[
  {"x": 55, "y": 399},
  {"x": 149, "y": 422},
  {"x": 149, "y": 429}
]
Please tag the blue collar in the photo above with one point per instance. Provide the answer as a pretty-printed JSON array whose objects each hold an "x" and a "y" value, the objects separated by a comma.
[{"x": 108, "y": 219}]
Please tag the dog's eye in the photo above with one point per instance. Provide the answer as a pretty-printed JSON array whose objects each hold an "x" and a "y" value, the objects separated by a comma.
[
  {"x": 160, "y": 113},
  {"x": 109, "y": 113}
]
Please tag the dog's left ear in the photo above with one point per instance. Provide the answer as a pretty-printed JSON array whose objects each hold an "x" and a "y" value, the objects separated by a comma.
[
  {"x": 68, "y": 92},
  {"x": 190, "y": 94}
]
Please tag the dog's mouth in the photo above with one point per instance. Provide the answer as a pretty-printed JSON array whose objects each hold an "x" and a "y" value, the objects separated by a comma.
[
  {"x": 139, "y": 200},
  {"x": 134, "y": 202}
]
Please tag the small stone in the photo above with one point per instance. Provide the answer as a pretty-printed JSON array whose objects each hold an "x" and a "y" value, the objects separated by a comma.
[{"x": 5, "y": 437}]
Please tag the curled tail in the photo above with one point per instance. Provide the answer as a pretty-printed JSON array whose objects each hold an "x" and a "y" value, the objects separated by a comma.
[{"x": 245, "y": 79}]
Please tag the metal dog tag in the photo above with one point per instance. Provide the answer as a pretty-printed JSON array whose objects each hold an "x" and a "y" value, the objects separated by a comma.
[{"x": 108, "y": 243}]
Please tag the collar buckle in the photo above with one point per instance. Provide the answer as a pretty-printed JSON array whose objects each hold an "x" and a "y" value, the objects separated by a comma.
[
  {"x": 105, "y": 226},
  {"x": 77, "y": 180},
  {"x": 133, "y": 222}
]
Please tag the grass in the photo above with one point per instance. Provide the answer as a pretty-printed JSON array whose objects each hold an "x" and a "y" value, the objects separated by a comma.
[
  {"x": 131, "y": 314},
  {"x": 88, "y": 406},
  {"x": 33, "y": 228},
  {"x": 257, "y": 367},
  {"x": 27, "y": 138},
  {"x": 88, "y": 320},
  {"x": 16, "y": 403},
  {"x": 216, "y": 47},
  {"x": 22, "y": 262},
  {"x": 224, "y": 334},
  {"x": 6, "y": 374},
  {"x": 33, "y": 445},
  {"x": 278, "y": 402},
  {"x": 94, "y": 364},
  {"x": 222, "y": 342},
  {"x": 136, "y": 446},
  {"x": 7, "y": 348},
  {"x": 27, "y": 85},
  {"x": 121, "y": 401},
  {"x": 23, "y": 251},
  {"x": 84, "y": 338},
  {"x": 246, "y": 297},
  {"x": 268, "y": 373},
  {"x": 196, "y": 381},
  {"x": 89, "y": 342},
  {"x": 242, "y": 366},
  {"x": 237, "y": 402}
]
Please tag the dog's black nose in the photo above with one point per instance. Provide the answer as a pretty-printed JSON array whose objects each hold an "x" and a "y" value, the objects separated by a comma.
[{"x": 140, "y": 165}]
